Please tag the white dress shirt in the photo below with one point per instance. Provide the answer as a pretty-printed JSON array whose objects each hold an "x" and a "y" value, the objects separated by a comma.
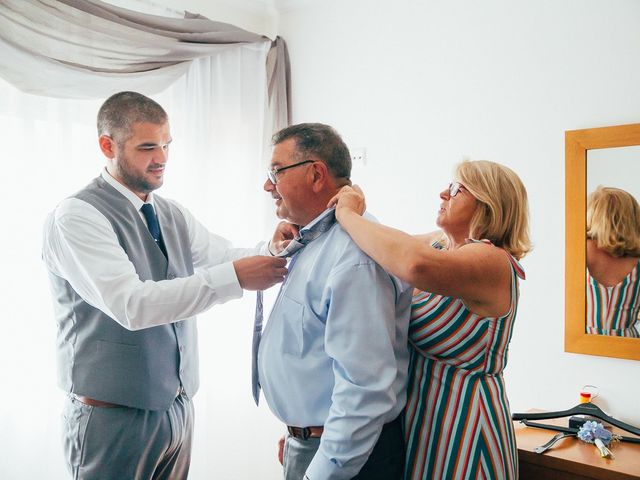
[{"x": 80, "y": 246}]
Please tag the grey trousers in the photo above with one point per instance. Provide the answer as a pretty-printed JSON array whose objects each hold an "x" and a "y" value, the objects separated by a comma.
[
  {"x": 386, "y": 461},
  {"x": 123, "y": 443}
]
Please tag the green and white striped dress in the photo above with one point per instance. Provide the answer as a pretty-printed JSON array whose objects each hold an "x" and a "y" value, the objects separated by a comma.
[
  {"x": 457, "y": 419},
  {"x": 614, "y": 310}
]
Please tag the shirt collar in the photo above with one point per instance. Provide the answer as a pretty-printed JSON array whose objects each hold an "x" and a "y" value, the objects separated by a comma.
[
  {"x": 318, "y": 226},
  {"x": 310, "y": 232},
  {"x": 128, "y": 194}
]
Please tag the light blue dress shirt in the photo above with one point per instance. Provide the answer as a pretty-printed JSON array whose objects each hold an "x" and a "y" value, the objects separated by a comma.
[{"x": 334, "y": 351}]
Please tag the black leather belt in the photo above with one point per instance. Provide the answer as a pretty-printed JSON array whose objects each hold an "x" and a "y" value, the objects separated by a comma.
[{"x": 305, "y": 432}]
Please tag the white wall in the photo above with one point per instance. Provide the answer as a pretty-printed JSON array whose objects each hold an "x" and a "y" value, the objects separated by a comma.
[{"x": 422, "y": 84}]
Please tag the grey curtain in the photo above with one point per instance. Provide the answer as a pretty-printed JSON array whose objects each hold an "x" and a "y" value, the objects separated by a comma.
[{"x": 90, "y": 49}]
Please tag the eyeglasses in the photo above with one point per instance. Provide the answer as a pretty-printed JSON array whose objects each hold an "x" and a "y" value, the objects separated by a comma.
[
  {"x": 454, "y": 188},
  {"x": 271, "y": 173}
]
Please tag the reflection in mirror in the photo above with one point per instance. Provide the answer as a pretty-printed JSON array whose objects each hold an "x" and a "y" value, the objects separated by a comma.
[
  {"x": 601, "y": 146},
  {"x": 613, "y": 260},
  {"x": 612, "y": 282}
]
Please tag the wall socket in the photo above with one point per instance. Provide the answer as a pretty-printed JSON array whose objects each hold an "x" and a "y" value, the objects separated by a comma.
[{"x": 359, "y": 156}]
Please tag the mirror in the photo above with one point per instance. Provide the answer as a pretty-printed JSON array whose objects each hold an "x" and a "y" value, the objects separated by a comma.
[
  {"x": 579, "y": 146},
  {"x": 613, "y": 284}
]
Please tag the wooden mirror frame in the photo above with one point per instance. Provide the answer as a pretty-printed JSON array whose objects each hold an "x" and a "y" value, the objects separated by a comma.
[{"x": 577, "y": 143}]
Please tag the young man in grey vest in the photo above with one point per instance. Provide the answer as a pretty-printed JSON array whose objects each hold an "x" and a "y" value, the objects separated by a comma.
[{"x": 129, "y": 271}]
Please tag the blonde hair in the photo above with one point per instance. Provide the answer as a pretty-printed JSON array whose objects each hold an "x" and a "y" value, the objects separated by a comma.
[
  {"x": 613, "y": 221},
  {"x": 502, "y": 215}
]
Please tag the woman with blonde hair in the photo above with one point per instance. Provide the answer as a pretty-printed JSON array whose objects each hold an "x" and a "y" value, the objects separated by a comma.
[
  {"x": 613, "y": 263},
  {"x": 457, "y": 417}
]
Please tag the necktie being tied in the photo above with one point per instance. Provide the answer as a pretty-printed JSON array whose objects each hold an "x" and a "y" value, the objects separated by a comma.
[
  {"x": 317, "y": 227},
  {"x": 153, "y": 225}
]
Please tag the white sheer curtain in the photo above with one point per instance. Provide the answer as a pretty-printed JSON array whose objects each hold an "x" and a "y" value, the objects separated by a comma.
[{"x": 217, "y": 163}]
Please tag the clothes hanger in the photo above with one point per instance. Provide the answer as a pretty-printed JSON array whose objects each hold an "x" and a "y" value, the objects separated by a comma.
[{"x": 580, "y": 409}]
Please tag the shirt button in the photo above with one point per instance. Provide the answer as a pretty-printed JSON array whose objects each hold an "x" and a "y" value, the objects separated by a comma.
[
  {"x": 181, "y": 371},
  {"x": 182, "y": 348}
]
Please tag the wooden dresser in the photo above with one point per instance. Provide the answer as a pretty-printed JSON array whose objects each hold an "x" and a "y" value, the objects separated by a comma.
[{"x": 572, "y": 459}]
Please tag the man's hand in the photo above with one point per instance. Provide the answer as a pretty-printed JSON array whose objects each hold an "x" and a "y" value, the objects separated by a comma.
[
  {"x": 285, "y": 232},
  {"x": 260, "y": 272},
  {"x": 281, "y": 451}
]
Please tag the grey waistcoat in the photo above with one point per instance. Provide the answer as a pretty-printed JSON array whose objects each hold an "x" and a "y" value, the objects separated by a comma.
[{"x": 99, "y": 358}]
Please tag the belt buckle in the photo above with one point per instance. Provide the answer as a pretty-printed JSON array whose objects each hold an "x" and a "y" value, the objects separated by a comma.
[{"x": 302, "y": 433}]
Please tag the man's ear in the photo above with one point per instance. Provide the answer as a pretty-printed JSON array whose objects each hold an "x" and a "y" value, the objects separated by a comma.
[
  {"x": 107, "y": 145},
  {"x": 321, "y": 176}
]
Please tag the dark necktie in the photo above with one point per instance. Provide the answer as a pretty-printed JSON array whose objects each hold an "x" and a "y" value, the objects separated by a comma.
[
  {"x": 153, "y": 225},
  {"x": 321, "y": 224}
]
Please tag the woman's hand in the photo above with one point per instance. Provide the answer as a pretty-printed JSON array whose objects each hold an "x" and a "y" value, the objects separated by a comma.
[{"x": 348, "y": 199}]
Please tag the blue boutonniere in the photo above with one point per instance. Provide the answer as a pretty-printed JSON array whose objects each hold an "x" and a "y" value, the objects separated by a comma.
[{"x": 594, "y": 432}]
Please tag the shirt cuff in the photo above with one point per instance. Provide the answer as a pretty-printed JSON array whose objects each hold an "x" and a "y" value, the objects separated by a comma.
[
  {"x": 321, "y": 468},
  {"x": 224, "y": 281}
]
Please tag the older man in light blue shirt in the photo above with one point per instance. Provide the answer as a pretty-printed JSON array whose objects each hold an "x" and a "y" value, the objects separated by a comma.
[{"x": 333, "y": 357}]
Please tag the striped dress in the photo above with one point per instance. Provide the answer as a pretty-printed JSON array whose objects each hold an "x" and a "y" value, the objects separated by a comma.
[
  {"x": 457, "y": 418},
  {"x": 614, "y": 310}
]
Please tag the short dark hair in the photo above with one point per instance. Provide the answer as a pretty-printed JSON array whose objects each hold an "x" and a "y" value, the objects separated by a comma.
[
  {"x": 320, "y": 141},
  {"x": 121, "y": 110}
]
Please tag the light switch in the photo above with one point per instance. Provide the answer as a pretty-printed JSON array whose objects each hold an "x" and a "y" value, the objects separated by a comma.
[{"x": 359, "y": 156}]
